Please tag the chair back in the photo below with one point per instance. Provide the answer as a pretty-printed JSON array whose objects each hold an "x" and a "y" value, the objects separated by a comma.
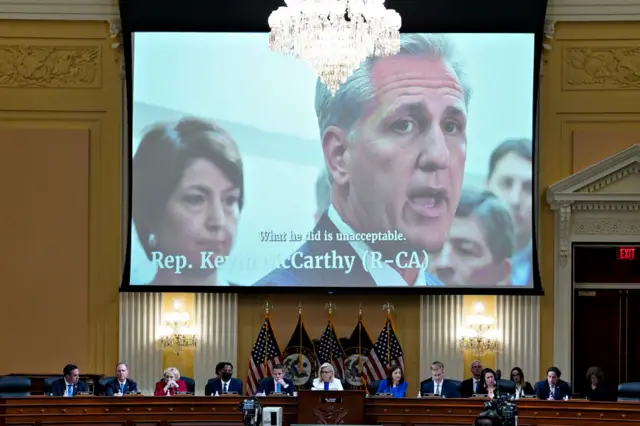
[
  {"x": 373, "y": 387},
  {"x": 14, "y": 386},
  {"x": 47, "y": 384},
  {"x": 101, "y": 388},
  {"x": 629, "y": 391},
  {"x": 191, "y": 384}
]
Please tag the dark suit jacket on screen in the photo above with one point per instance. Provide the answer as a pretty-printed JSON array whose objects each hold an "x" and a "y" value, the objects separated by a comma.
[
  {"x": 268, "y": 386},
  {"x": 215, "y": 385},
  {"x": 112, "y": 387},
  {"x": 447, "y": 389},
  {"x": 358, "y": 277},
  {"x": 59, "y": 388}
]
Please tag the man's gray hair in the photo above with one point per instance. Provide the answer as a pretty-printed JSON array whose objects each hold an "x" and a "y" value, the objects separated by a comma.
[
  {"x": 493, "y": 218},
  {"x": 345, "y": 108}
]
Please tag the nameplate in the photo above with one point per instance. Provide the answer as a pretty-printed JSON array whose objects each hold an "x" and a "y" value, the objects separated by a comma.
[
  {"x": 528, "y": 396},
  {"x": 325, "y": 400},
  {"x": 279, "y": 394}
]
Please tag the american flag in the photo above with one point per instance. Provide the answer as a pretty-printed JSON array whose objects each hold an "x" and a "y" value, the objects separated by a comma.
[
  {"x": 330, "y": 350},
  {"x": 385, "y": 352},
  {"x": 264, "y": 355}
]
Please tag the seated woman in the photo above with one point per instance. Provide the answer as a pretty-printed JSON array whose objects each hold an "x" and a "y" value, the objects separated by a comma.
[
  {"x": 394, "y": 384},
  {"x": 522, "y": 387},
  {"x": 170, "y": 383},
  {"x": 596, "y": 391},
  {"x": 326, "y": 379},
  {"x": 488, "y": 385}
]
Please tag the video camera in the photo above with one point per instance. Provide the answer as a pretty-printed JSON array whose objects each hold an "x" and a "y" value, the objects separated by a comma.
[
  {"x": 251, "y": 412},
  {"x": 504, "y": 408}
]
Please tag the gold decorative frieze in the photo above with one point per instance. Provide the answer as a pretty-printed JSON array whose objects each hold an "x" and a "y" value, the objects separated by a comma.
[
  {"x": 601, "y": 68},
  {"x": 50, "y": 66}
]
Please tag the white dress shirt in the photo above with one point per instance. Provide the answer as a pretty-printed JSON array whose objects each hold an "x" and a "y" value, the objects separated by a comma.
[
  {"x": 382, "y": 274},
  {"x": 335, "y": 384}
]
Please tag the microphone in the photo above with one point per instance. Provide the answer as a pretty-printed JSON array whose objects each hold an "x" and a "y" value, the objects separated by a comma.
[{"x": 498, "y": 375}]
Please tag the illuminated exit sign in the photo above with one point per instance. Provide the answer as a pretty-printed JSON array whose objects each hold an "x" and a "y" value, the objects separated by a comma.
[{"x": 626, "y": 253}]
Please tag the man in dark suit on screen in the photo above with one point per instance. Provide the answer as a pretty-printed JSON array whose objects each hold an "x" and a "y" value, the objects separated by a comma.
[
  {"x": 70, "y": 384},
  {"x": 394, "y": 143}
]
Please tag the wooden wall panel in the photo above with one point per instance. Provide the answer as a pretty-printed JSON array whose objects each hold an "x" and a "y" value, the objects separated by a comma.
[
  {"x": 591, "y": 86},
  {"x": 58, "y": 77}
]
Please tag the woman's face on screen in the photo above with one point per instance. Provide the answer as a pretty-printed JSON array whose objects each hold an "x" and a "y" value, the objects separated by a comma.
[{"x": 201, "y": 215}]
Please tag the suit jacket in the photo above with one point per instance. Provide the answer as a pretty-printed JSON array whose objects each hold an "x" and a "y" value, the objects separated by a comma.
[
  {"x": 447, "y": 389},
  {"x": 466, "y": 388},
  {"x": 562, "y": 389},
  {"x": 215, "y": 385},
  {"x": 59, "y": 387},
  {"x": 268, "y": 386},
  {"x": 399, "y": 391},
  {"x": 159, "y": 391},
  {"x": 358, "y": 277},
  {"x": 112, "y": 387}
]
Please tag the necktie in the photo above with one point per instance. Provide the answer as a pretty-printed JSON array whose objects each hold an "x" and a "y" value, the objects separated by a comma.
[
  {"x": 278, "y": 387},
  {"x": 70, "y": 390},
  {"x": 122, "y": 388},
  {"x": 475, "y": 387},
  {"x": 224, "y": 389},
  {"x": 438, "y": 389}
]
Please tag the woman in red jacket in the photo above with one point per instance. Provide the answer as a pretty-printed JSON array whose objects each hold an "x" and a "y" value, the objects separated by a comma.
[{"x": 170, "y": 383}]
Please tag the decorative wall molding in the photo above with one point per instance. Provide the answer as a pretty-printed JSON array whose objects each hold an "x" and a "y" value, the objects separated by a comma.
[
  {"x": 50, "y": 66},
  {"x": 69, "y": 10},
  {"x": 613, "y": 217},
  {"x": 590, "y": 226},
  {"x": 440, "y": 319},
  {"x": 601, "y": 68},
  {"x": 594, "y": 10}
]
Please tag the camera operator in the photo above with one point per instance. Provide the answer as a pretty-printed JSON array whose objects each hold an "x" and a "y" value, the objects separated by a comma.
[{"x": 488, "y": 418}]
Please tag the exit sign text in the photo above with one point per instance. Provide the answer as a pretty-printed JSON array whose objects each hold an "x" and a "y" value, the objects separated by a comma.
[{"x": 626, "y": 253}]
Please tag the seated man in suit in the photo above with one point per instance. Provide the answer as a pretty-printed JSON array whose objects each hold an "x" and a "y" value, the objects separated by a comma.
[
  {"x": 279, "y": 384},
  {"x": 438, "y": 385},
  {"x": 553, "y": 388},
  {"x": 470, "y": 386},
  {"x": 70, "y": 384},
  {"x": 121, "y": 385},
  {"x": 224, "y": 383}
]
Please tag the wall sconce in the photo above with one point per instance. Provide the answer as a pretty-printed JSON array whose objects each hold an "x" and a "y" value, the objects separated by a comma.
[
  {"x": 479, "y": 336},
  {"x": 176, "y": 332}
]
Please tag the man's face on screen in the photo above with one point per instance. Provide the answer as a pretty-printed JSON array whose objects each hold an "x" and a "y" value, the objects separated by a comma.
[
  {"x": 465, "y": 258},
  {"x": 407, "y": 159},
  {"x": 201, "y": 214},
  {"x": 511, "y": 182}
]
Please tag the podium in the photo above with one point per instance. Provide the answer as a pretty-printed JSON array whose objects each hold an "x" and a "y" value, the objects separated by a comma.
[{"x": 330, "y": 407}]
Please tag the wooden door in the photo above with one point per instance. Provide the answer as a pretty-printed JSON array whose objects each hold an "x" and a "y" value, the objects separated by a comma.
[
  {"x": 632, "y": 335},
  {"x": 598, "y": 324}
]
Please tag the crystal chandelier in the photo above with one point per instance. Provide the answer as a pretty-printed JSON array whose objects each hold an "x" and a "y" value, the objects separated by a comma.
[
  {"x": 334, "y": 36},
  {"x": 480, "y": 337},
  {"x": 176, "y": 332}
]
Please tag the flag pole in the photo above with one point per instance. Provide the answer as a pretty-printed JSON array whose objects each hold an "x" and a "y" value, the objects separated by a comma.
[
  {"x": 331, "y": 306},
  {"x": 267, "y": 315},
  {"x": 388, "y": 306},
  {"x": 360, "y": 338},
  {"x": 300, "y": 336}
]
